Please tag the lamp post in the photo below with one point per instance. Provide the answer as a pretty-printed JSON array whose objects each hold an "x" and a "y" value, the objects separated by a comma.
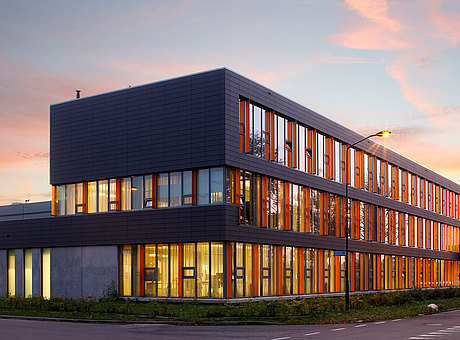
[{"x": 347, "y": 213}]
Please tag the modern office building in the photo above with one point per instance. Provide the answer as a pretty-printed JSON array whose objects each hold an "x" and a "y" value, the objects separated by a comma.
[{"x": 213, "y": 186}]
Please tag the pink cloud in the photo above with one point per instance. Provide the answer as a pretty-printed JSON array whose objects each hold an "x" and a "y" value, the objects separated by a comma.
[
  {"x": 371, "y": 37},
  {"x": 376, "y": 11},
  {"x": 329, "y": 59},
  {"x": 447, "y": 23}
]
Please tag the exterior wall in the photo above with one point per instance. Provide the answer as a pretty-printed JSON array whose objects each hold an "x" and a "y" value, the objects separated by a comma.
[
  {"x": 83, "y": 271},
  {"x": 36, "y": 272},
  {"x": 3, "y": 272},
  {"x": 173, "y": 124},
  {"x": 19, "y": 271}
]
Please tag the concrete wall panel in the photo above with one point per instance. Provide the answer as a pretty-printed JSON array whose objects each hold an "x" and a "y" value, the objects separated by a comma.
[
  {"x": 19, "y": 271},
  {"x": 36, "y": 272},
  {"x": 100, "y": 270},
  {"x": 66, "y": 272},
  {"x": 3, "y": 272}
]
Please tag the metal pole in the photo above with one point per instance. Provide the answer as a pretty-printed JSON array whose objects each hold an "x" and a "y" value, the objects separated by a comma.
[
  {"x": 347, "y": 222},
  {"x": 347, "y": 283}
]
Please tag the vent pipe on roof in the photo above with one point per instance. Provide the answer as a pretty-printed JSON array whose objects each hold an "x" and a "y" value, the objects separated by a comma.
[{"x": 78, "y": 93}]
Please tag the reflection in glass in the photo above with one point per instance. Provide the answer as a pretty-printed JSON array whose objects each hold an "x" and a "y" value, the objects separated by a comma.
[
  {"x": 163, "y": 270},
  {"x": 137, "y": 192},
  {"x": 187, "y": 188},
  {"x": 175, "y": 188},
  {"x": 79, "y": 198},
  {"x": 217, "y": 185},
  {"x": 148, "y": 190},
  {"x": 150, "y": 270},
  {"x": 113, "y": 194},
  {"x": 203, "y": 186},
  {"x": 189, "y": 270}
]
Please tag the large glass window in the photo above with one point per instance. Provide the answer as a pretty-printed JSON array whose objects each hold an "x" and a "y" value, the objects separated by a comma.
[
  {"x": 46, "y": 273},
  {"x": 163, "y": 270},
  {"x": 202, "y": 268},
  {"x": 187, "y": 188},
  {"x": 148, "y": 191},
  {"x": 175, "y": 187},
  {"x": 70, "y": 199},
  {"x": 11, "y": 273},
  {"x": 150, "y": 270},
  {"x": 103, "y": 195},
  {"x": 126, "y": 193},
  {"x": 60, "y": 200},
  {"x": 280, "y": 147},
  {"x": 162, "y": 190},
  {"x": 188, "y": 270},
  {"x": 217, "y": 185},
  {"x": 28, "y": 272},
  {"x": 79, "y": 193},
  {"x": 113, "y": 199},
  {"x": 203, "y": 186},
  {"x": 92, "y": 197},
  {"x": 137, "y": 192}
]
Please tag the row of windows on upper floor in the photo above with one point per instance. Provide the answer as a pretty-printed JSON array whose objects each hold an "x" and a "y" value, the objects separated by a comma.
[
  {"x": 271, "y": 203},
  {"x": 174, "y": 189},
  {"x": 265, "y": 134}
]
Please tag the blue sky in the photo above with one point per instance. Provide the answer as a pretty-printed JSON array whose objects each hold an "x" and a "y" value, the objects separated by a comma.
[{"x": 365, "y": 64}]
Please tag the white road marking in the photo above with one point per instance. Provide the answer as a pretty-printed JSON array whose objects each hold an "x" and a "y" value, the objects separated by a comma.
[
  {"x": 379, "y": 323},
  {"x": 433, "y": 324},
  {"x": 436, "y": 333},
  {"x": 360, "y": 326},
  {"x": 415, "y": 338},
  {"x": 396, "y": 320},
  {"x": 286, "y": 337},
  {"x": 429, "y": 335},
  {"x": 338, "y": 329},
  {"x": 308, "y": 334}
]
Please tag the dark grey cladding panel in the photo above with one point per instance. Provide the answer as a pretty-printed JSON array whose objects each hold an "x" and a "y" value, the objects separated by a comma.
[
  {"x": 185, "y": 224},
  {"x": 237, "y": 85},
  {"x": 170, "y": 125}
]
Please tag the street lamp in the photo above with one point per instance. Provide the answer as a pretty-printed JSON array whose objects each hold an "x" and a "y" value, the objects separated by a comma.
[{"x": 383, "y": 133}]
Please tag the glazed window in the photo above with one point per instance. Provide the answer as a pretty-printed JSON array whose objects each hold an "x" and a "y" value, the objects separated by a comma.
[
  {"x": 148, "y": 191},
  {"x": 103, "y": 194},
  {"x": 137, "y": 192},
  {"x": 163, "y": 191},
  {"x": 175, "y": 188},
  {"x": 217, "y": 185},
  {"x": 187, "y": 193},
  {"x": 203, "y": 186}
]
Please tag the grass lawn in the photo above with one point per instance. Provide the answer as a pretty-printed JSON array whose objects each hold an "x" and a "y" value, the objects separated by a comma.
[{"x": 365, "y": 307}]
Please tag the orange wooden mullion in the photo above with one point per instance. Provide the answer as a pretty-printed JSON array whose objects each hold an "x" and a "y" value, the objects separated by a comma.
[
  {"x": 256, "y": 270},
  {"x": 289, "y": 138},
  {"x": 351, "y": 272},
  {"x": 117, "y": 193},
  {"x": 280, "y": 270},
  {"x": 337, "y": 273},
  {"x": 85, "y": 197},
  {"x": 53, "y": 200},
  {"x": 272, "y": 136}
]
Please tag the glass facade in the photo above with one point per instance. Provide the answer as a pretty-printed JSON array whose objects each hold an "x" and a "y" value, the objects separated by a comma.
[
  {"x": 291, "y": 144},
  {"x": 266, "y": 270},
  {"x": 174, "y": 189}
]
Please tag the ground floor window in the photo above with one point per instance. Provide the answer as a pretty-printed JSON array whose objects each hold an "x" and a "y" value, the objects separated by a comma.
[{"x": 233, "y": 269}]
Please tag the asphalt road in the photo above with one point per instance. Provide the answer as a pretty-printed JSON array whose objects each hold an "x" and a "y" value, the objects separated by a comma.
[{"x": 437, "y": 326}]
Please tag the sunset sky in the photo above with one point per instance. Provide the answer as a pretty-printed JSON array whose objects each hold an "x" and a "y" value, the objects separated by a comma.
[{"x": 365, "y": 64}]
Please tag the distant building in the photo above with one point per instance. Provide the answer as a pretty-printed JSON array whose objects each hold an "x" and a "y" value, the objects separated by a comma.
[{"x": 213, "y": 186}]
